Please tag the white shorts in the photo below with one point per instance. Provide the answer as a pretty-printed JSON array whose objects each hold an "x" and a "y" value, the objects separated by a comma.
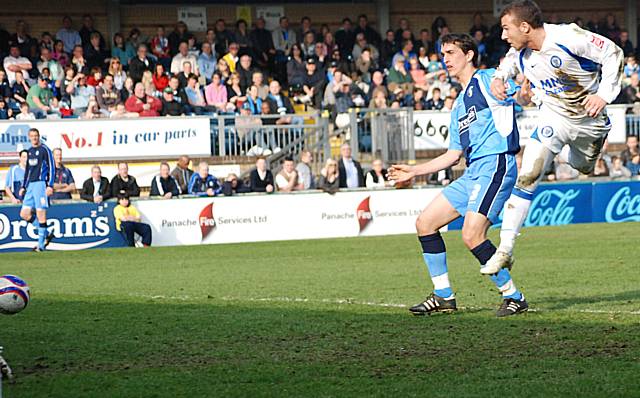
[{"x": 584, "y": 138}]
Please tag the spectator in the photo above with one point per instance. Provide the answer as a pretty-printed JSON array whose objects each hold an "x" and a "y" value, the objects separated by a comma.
[
  {"x": 254, "y": 102},
  {"x": 107, "y": 96},
  {"x": 345, "y": 38},
  {"x": 617, "y": 169},
  {"x": 127, "y": 89},
  {"x": 136, "y": 38},
  {"x": 160, "y": 47},
  {"x": 296, "y": 68},
  {"x": 15, "y": 178},
  {"x": 164, "y": 185},
  {"x": 160, "y": 78},
  {"x": 180, "y": 34},
  {"x": 610, "y": 29},
  {"x": 20, "y": 89},
  {"x": 233, "y": 185},
  {"x": 142, "y": 104},
  {"x": 600, "y": 169},
  {"x": 231, "y": 58},
  {"x": 115, "y": 70},
  {"x": 283, "y": 38},
  {"x": 235, "y": 95},
  {"x": 443, "y": 84},
  {"x": 64, "y": 183},
  {"x": 124, "y": 183},
  {"x": 207, "y": 62},
  {"x": 204, "y": 184},
  {"x": 122, "y": 50},
  {"x": 631, "y": 150},
  {"x": 179, "y": 94},
  {"x": 448, "y": 104},
  {"x": 625, "y": 43},
  {"x": 224, "y": 37},
  {"x": 95, "y": 77},
  {"x": 182, "y": 173},
  {"x": 39, "y": 98},
  {"x": 403, "y": 26},
  {"x": 634, "y": 165},
  {"x": 95, "y": 54},
  {"x": 434, "y": 64},
  {"x": 128, "y": 222},
  {"x": 303, "y": 168},
  {"x": 196, "y": 99},
  {"x": 377, "y": 176},
  {"x": 46, "y": 62},
  {"x": 21, "y": 38},
  {"x": 183, "y": 56},
  {"x": 305, "y": 27},
  {"x": 245, "y": 71},
  {"x": 277, "y": 101},
  {"x": 362, "y": 44},
  {"x": 14, "y": 63},
  {"x": 418, "y": 74},
  {"x": 88, "y": 29},
  {"x": 425, "y": 41},
  {"x": 241, "y": 36},
  {"x": 78, "y": 61},
  {"x": 417, "y": 101},
  {"x": 257, "y": 79},
  {"x": 406, "y": 53},
  {"x": 139, "y": 64},
  {"x": 308, "y": 45},
  {"x": 399, "y": 77},
  {"x": 261, "y": 179},
  {"x": 6, "y": 112},
  {"x": 223, "y": 68},
  {"x": 631, "y": 66},
  {"x": 313, "y": 84},
  {"x": 59, "y": 55},
  {"x": 365, "y": 65},
  {"x": 69, "y": 36},
  {"x": 96, "y": 189},
  {"x": 80, "y": 93},
  {"x": 287, "y": 178},
  {"x": 435, "y": 103},
  {"x": 478, "y": 38},
  {"x": 329, "y": 43},
  {"x": 329, "y": 177},
  {"x": 262, "y": 43},
  {"x": 216, "y": 93},
  {"x": 349, "y": 169},
  {"x": 170, "y": 107},
  {"x": 185, "y": 72},
  {"x": 24, "y": 113},
  {"x": 478, "y": 25},
  {"x": 388, "y": 49},
  {"x": 370, "y": 34},
  {"x": 93, "y": 111}
]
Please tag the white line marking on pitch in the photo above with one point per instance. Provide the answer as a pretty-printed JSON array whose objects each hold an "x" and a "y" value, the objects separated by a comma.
[{"x": 364, "y": 303}]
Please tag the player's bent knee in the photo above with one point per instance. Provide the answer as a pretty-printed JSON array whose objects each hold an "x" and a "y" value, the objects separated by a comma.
[
  {"x": 472, "y": 237},
  {"x": 424, "y": 226}
]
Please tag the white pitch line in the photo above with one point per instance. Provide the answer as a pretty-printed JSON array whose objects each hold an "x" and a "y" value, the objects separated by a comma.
[{"x": 364, "y": 303}]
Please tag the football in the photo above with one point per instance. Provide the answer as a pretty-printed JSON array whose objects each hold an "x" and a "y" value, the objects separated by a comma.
[{"x": 14, "y": 294}]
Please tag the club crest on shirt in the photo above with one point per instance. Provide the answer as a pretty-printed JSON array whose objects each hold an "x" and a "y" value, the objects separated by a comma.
[
  {"x": 556, "y": 62},
  {"x": 546, "y": 131}
]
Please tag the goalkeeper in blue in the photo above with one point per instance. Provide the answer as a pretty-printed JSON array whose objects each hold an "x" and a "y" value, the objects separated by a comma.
[
  {"x": 39, "y": 176},
  {"x": 483, "y": 131}
]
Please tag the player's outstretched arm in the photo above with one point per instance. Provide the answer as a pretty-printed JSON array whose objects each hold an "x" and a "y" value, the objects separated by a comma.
[{"x": 403, "y": 172}]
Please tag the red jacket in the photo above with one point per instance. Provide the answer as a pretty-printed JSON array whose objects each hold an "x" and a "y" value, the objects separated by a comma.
[
  {"x": 160, "y": 82},
  {"x": 134, "y": 104}
]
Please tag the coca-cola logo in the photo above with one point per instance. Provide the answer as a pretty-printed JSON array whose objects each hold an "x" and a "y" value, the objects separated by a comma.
[
  {"x": 206, "y": 221},
  {"x": 363, "y": 213},
  {"x": 623, "y": 206},
  {"x": 552, "y": 207}
]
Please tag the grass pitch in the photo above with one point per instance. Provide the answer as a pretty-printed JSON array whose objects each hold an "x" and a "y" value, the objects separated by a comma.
[{"x": 327, "y": 318}]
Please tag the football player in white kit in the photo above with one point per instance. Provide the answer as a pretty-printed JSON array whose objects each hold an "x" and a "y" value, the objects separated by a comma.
[{"x": 571, "y": 74}]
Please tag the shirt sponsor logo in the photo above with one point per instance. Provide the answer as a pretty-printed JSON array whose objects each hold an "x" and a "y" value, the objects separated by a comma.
[
  {"x": 466, "y": 120},
  {"x": 596, "y": 41}
]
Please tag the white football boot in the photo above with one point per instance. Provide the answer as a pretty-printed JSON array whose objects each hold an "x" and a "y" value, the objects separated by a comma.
[{"x": 498, "y": 261}]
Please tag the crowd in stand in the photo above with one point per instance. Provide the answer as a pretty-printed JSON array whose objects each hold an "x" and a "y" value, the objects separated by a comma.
[{"x": 78, "y": 73}]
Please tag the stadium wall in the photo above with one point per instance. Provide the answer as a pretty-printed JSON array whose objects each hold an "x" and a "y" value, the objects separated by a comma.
[{"x": 253, "y": 218}]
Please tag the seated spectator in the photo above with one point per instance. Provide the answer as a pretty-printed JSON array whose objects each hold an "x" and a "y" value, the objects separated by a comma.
[
  {"x": 93, "y": 110},
  {"x": 448, "y": 104},
  {"x": 418, "y": 74},
  {"x": 128, "y": 222},
  {"x": 59, "y": 54},
  {"x": 142, "y": 104},
  {"x": 15, "y": 178},
  {"x": 95, "y": 54},
  {"x": 164, "y": 185},
  {"x": 5, "y": 87},
  {"x": 183, "y": 56},
  {"x": 313, "y": 84},
  {"x": 24, "y": 113},
  {"x": 40, "y": 98},
  {"x": 329, "y": 177},
  {"x": 258, "y": 80},
  {"x": 406, "y": 53},
  {"x": 361, "y": 45},
  {"x": 182, "y": 173},
  {"x": 121, "y": 112},
  {"x": 233, "y": 185},
  {"x": 634, "y": 165},
  {"x": 245, "y": 71},
  {"x": 253, "y": 102},
  {"x": 184, "y": 74},
  {"x": 287, "y": 178},
  {"x": 170, "y": 107},
  {"x": 204, "y": 184},
  {"x": 631, "y": 150},
  {"x": 443, "y": 84},
  {"x": 78, "y": 61},
  {"x": 216, "y": 94},
  {"x": 435, "y": 64},
  {"x": 388, "y": 49},
  {"x": 600, "y": 169},
  {"x": 6, "y": 112},
  {"x": 377, "y": 176},
  {"x": 124, "y": 183},
  {"x": 399, "y": 77},
  {"x": 64, "y": 183},
  {"x": 107, "y": 96},
  {"x": 624, "y": 43},
  {"x": 139, "y": 64},
  {"x": 196, "y": 98},
  {"x": 349, "y": 169},
  {"x": 260, "y": 178},
  {"x": 160, "y": 78},
  {"x": 231, "y": 58},
  {"x": 418, "y": 100},
  {"x": 631, "y": 66},
  {"x": 122, "y": 50},
  {"x": 95, "y": 77},
  {"x": 20, "y": 89},
  {"x": 617, "y": 169},
  {"x": 207, "y": 62},
  {"x": 96, "y": 189},
  {"x": 235, "y": 95},
  {"x": 277, "y": 101},
  {"x": 178, "y": 93},
  {"x": 296, "y": 68},
  {"x": 435, "y": 103},
  {"x": 160, "y": 47},
  {"x": 46, "y": 62},
  {"x": 80, "y": 93},
  {"x": 224, "y": 70},
  {"x": 305, "y": 175},
  {"x": 365, "y": 65}
]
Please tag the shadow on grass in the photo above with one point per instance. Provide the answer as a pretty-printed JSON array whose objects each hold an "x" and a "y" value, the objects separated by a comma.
[
  {"x": 557, "y": 303},
  {"x": 75, "y": 348}
]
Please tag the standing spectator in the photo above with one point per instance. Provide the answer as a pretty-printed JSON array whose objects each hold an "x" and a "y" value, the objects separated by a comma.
[
  {"x": 296, "y": 68},
  {"x": 329, "y": 177},
  {"x": 283, "y": 38},
  {"x": 139, "y": 64},
  {"x": 107, "y": 96},
  {"x": 305, "y": 175},
  {"x": 478, "y": 25},
  {"x": 124, "y": 51},
  {"x": 207, "y": 62},
  {"x": 180, "y": 34},
  {"x": 231, "y": 58},
  {"x": 349, "y": 169},
  {"x": 183, "y": 56},
  {"x": 260, "y": 178},
  {"x": 625, "y": 43},
  {"x": 262, "y": 43},
  {"x": 88, "y": 29},
  {"x": 124, "y": 183},
  {"x": 15, "y": 178},
  {"x": 160, "y": 47},
  {"x": 128, "y": 222},
  {"x": 241, "y": 36},
  {"x": 95, "y": 54},
  {"x": 370, "y": 34},
  {"x": 170, "y": 107},
  {"x": 69, "y": 36},
  {"x": 21, "y": 38},
  {"x": 631, "y": 150},
  {"x": 345, "y": 38},
  {"x": 142, "y": 104},
  {"x": 305, "y": 27},
  {"x": 164, "y": 185},
  {"x": 14, "y": 63},
  {"x": 224, "y": 37},
  {"x": 216, "y": 93},
  {"x": 182, "y": 173},
  {"x": 388, "y": 49},
  {"x": 287, "y": 178},
  {"x": 40, "y": 97},
  {"x": 377, "y": 176},
  {"x": 403, "y": 26},
  {"x": 204, "y": 184},
  {"x": 78, "y": 61},
  {"x": 96, "y": 188},
  {"x": 64, "y": 183}
]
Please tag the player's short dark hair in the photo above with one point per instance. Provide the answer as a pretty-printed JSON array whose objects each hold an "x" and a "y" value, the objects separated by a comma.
[
  {"x": 464, "y": 42},
  {"x": 524, "y": 11}
]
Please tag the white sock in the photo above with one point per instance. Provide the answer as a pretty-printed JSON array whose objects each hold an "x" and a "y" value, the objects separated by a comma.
[{"x": 515, "y": 213}]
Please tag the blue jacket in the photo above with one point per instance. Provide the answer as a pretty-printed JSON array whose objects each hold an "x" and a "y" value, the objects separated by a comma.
[{"x": 199, "y": 186}]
